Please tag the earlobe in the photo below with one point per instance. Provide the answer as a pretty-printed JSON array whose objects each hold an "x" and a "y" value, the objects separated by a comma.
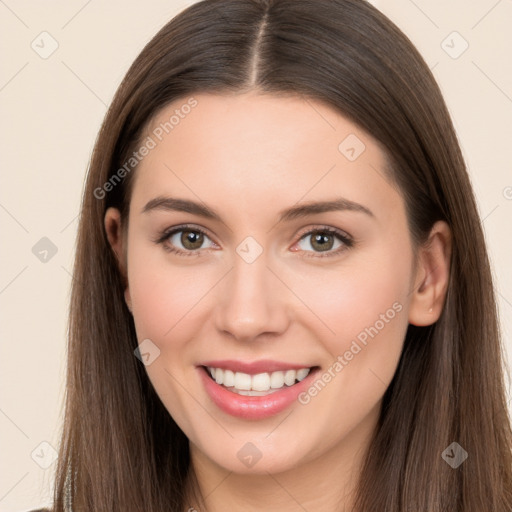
[
  {"x": 432, "y": 277},
  {"x": 128, "y": 299}
]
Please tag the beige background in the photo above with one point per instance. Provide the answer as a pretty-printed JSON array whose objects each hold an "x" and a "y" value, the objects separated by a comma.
[{"x": 51, "y": 111}]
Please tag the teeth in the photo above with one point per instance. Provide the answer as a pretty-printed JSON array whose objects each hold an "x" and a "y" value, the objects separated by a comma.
[
  {"x": 261, "y": 382},
  {"x": 251, "y": 392},
  {"x": 277, "y": 380},
  {"x": 242, "y": 380},
  {"x": 229, "y": 378},
  {"x": 302, "y": 373},
  {"x": 289, "y": 377},
  {"x": 256, "y": 385}
]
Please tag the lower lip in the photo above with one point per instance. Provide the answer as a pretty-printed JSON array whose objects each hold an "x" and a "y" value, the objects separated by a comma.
[{"x": 253, "y": 407}]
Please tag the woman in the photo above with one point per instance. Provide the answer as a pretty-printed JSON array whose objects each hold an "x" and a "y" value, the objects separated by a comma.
[{"x": 282, "y": 297}]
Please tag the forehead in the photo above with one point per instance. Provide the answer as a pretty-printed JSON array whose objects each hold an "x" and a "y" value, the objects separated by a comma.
[{"x": 252, "y": 151}]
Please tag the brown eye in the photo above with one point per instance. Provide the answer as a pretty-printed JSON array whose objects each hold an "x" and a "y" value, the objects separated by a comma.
[
  {"x": 325, "y": 240},
  {"x": 185, "y": 241},
  {"x": 191, "y": 240},
  {"x": 322, "y": 241}
]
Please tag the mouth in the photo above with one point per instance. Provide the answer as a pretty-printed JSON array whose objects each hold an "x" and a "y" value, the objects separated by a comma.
[{"x": 254, "y": 394}]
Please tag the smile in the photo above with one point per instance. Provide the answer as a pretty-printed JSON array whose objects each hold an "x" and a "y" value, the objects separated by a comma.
[{"x": 246, "y": 391}]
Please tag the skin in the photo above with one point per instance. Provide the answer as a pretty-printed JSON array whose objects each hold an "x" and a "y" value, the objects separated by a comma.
[{"x": 248, "y": 157}]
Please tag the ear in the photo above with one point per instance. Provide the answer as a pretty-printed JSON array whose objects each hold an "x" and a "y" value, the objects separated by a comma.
[
  {"x": 431, "y": 277},
  {"x": 115, "y": 236}
]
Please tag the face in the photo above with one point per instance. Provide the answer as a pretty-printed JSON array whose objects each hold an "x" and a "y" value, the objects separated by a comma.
[{"x": 266, "y": 248}]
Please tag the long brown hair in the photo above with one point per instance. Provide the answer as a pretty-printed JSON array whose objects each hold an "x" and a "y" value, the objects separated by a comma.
[{"x": 121, "y": 450}]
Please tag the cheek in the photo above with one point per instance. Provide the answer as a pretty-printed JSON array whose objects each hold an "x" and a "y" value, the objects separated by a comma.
[
  {"x": 164, "y": 297},
  {"x": 368, "y": 290},
  {"x": 365, "y": 308}
]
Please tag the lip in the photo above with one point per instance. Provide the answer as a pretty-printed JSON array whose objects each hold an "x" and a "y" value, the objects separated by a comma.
[
  {"x": 254, "y": 367},
  {"x": 254, "y": 407}
]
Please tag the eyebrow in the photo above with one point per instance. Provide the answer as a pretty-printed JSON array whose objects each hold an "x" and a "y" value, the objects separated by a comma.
[{"x": 295, "y": 212}]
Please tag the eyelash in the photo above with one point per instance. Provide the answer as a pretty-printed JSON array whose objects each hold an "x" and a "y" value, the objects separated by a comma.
[{"x": 347, "y": 241}]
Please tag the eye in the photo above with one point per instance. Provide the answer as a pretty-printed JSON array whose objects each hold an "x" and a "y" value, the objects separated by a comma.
[
  {"x": 184, "y": 240},
  {"x": 189, "y": 240},
  {"x": 325, "y": 240}
]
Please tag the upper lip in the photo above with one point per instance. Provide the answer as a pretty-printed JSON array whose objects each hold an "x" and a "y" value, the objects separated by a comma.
[{"x": 254, "y": 367}]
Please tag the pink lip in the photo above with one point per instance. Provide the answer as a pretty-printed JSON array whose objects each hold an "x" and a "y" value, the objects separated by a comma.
[
  {"x": 253, "y": 407},
  {"x": 254, "y": 367}
]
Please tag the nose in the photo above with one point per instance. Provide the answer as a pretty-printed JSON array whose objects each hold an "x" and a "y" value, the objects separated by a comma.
[{"x": 252, "y": 301}]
